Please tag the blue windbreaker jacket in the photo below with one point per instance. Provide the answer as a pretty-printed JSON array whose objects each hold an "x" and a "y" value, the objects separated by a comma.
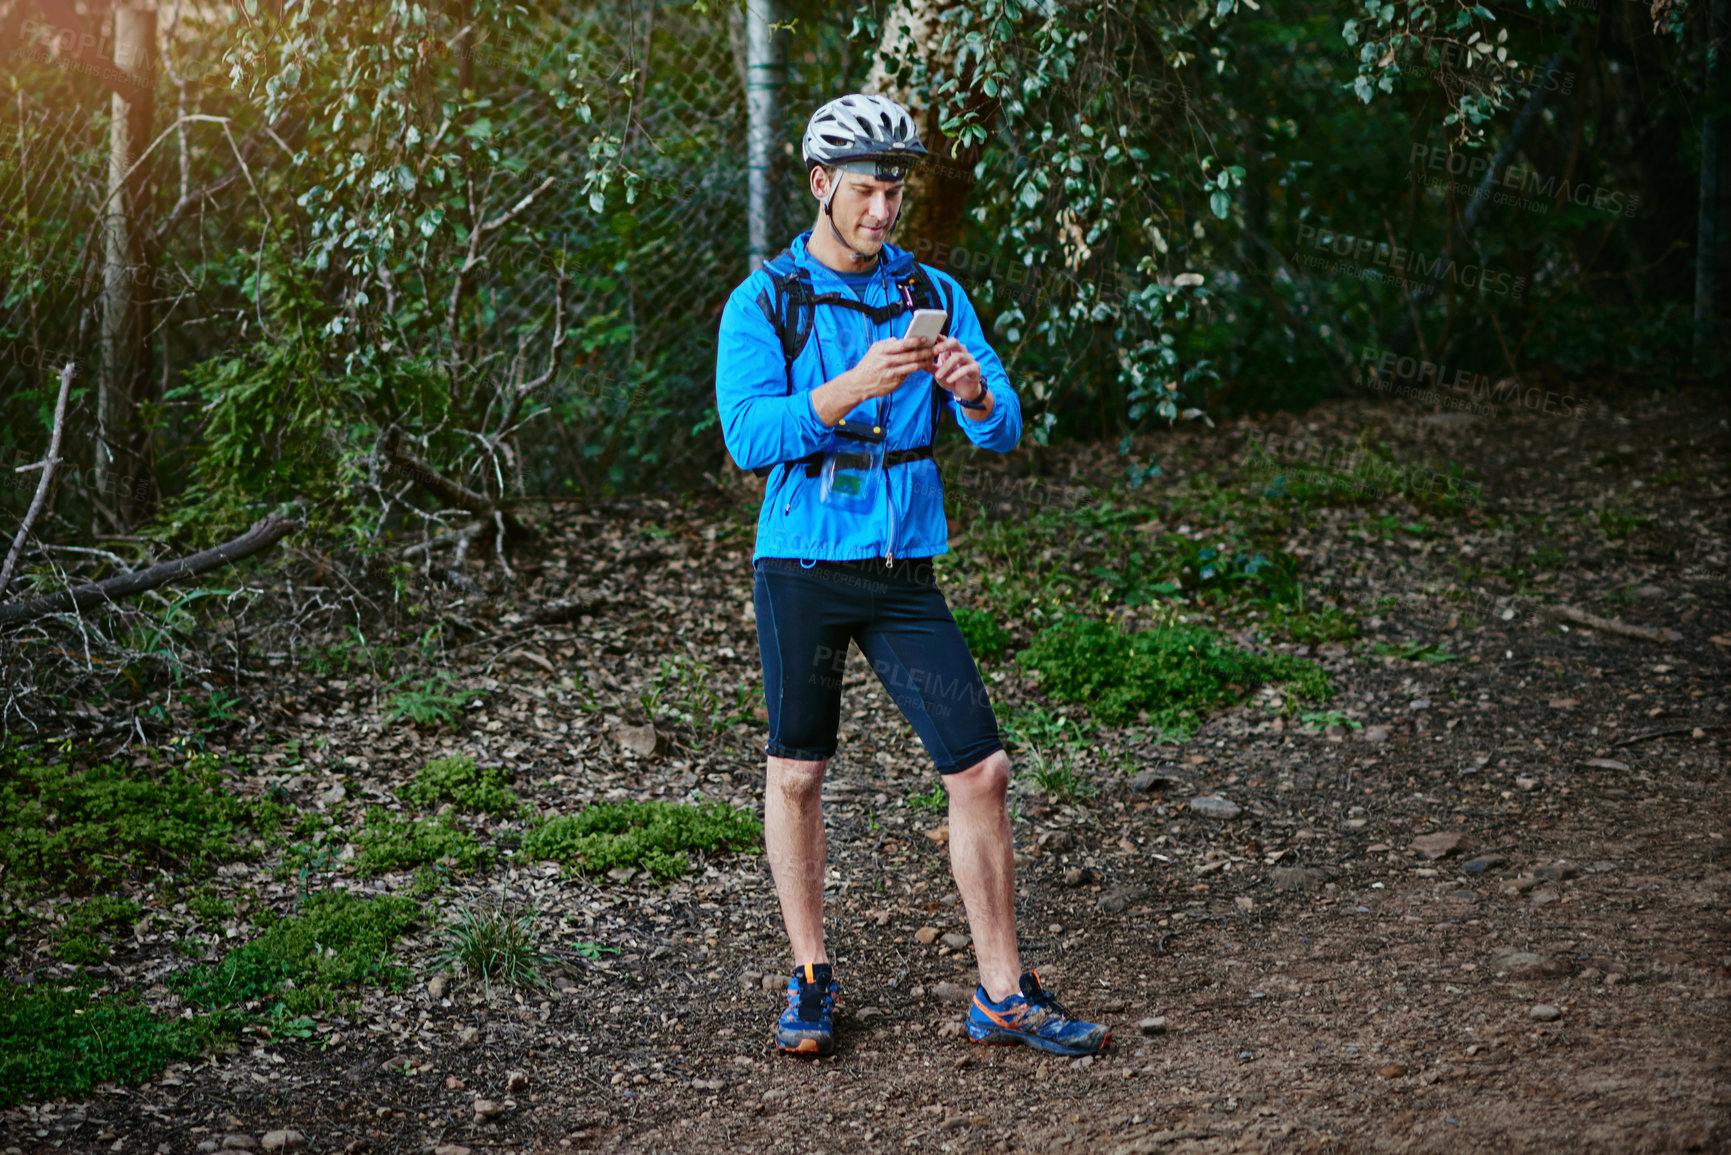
[{"x": 764, "y": 423}]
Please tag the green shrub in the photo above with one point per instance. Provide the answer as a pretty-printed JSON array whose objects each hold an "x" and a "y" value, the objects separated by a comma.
[
  {"x": 1176, "y": 675},
  {"x": 435, "y": 702},
  {"x": 389, "y": 844},
  {"x": 985, "y": 637},
  {"x": 60, "y": 1043},
  {"x": 458, "y": 780},
  {"x": 654, "y": 836},
  {"x": 85, "y": 827},
  {"x": 82, "y": 942},
  {"x": 337, "y": 941}
]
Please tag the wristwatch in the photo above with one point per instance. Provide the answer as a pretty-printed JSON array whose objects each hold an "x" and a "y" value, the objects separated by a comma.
[{"x": 978, "y": 403}]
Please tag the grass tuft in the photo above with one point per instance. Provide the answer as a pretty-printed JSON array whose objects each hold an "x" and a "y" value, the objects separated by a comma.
[{"x": 490, "y": 945}]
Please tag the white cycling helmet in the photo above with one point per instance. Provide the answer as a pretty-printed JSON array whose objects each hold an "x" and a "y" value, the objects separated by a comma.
[{"x": 863, "y": 133}]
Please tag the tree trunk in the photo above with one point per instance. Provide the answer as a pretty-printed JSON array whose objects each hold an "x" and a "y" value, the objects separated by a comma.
[
  {"x": 1708, "y": 224},
  {"x": 124, "y": 466},
  {"x": 937, "y": 196}
]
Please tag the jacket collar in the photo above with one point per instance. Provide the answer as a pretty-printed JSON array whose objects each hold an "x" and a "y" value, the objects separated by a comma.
[{"x": 897, "y": 262}]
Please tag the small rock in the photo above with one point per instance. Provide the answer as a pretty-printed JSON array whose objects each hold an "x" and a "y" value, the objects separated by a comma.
[
  {"x": 1419, "y": 704},
  {"x": 951, "y": 1029},
  {"x": 206, "y": 1146},
  {"x": 1605, "y": 764},
  {"x": 775, "y": 982},
  {"x": 1545, "y": 1013},
  {"x": 939, "y": 835},
  {"x": 621, "y": 873},
  {"x": 956, "y": 941},
  {"x": 1153, "y": 1026},
  {"x": 1556, "y": 871},
  {"x": 436, "y": 986},
  {"x": 1057, "y": 841},
  {"x": 1649, "y": 592},
  {"x": 867, "y": 1014},
  {"x": 1484, "y": 862},
  {"x": 1437, "y": 845},
  {"x": 707, "y": 1084},
  {"x": 643, "y": 741},
  {"x": 284, "y": 1140},
  {"x": 452, "y": 1083},
  {"x": 516, "y": 1080},
  {"x": 450, "y": 1149},
  {"x": 1084, "y": 1062},
  {"x": 1078, "y": 876},
  {"x": 468, "y": 1034},
  {"x": 1296, "y": 877},
  {"x": 1374, "y": 734},
  {"x": 1148, "y": 781},
  {"x": 1120, "y": 900},
  {"x": 1391, "y": 1071},
  {"x": 926, "y": 935},
  {"x": 1526, "y": 784},
  {"x": 1212, "y": 806},
  {"x": 951, "y": 993},
  {"x": 238, "y": 1142},
  {"x": 487, "y": 1108},
  {"x": 1544, "y": 896},
  {"x": 334, "y": 795}
]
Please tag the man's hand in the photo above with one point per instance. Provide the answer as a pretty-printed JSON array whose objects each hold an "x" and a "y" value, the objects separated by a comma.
[
  {"x": 881, "y": 371},
  {"x": 890, "y": 362},
  {"x": 957, "y": 370}
]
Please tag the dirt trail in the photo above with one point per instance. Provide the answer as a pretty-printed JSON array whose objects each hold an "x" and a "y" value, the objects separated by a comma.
[{"x": 1550, "y": 974}]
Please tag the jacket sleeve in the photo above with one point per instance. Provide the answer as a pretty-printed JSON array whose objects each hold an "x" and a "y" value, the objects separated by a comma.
[
  {"x": 1002, "y": 428},
  {"x": 760, "y": 421}
]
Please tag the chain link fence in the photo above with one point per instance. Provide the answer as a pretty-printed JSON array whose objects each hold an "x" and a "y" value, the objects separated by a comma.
[{"x": 648, "y": 257}]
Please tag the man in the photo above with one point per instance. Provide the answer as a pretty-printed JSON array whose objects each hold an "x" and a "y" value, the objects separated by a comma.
[{"x": 852, "y": 515}]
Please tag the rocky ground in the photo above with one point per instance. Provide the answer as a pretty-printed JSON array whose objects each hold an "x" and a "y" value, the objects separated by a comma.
[{"x": 1483, "y": 909}]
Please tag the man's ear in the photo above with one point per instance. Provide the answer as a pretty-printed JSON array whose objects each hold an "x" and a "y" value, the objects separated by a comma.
[{"x": 821, "y": 179}]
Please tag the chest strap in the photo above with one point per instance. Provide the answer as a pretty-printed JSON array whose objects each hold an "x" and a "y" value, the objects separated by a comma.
[{"x": 814, "y": 462}]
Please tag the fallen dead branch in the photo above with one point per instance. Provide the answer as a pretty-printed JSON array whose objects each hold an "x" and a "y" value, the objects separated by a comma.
[
  {"x": 264, "y": 533},
  {"x": 1610, "y": 625},
  {"x": 42, "y": 483}
]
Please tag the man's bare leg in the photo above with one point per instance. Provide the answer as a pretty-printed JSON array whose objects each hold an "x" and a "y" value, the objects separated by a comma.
[
  {"x": 983, "y": 862},
  {"x": 793, "y": 835}
]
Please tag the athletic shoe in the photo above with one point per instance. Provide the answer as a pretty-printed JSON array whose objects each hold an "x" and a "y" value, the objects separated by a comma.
[
  {"x": 1035, "y": 1018},
  {"x": 807, "y": 1027}
]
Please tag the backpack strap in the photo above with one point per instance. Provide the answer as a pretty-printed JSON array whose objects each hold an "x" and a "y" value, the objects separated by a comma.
[{"x": 792, "y": 313}]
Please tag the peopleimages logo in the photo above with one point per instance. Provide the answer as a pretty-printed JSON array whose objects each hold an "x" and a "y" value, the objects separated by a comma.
[
  {"x": 1474, "y": 391},
  {"x": 1524, "y": 179},
  {"x": 1401, "y": 262}
]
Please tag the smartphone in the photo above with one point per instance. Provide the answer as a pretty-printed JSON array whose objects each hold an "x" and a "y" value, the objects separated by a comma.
[{"x": 927, "y": 323}]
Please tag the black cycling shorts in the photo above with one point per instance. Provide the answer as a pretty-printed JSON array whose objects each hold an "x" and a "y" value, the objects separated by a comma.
[{"x": 807, "y": 613}]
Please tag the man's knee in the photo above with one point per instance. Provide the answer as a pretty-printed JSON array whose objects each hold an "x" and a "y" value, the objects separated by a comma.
[
  {"x": 987, "y": 779},
  {"x": 796, "y": 779}
]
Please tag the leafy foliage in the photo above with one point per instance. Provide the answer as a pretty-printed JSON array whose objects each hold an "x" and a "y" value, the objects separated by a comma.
[
  {"x": 985, "y": 637},
  {"x": 653, "y": 836},
  {"x": 88, "y": 923},
  {"x": 1174, "y": 676}
]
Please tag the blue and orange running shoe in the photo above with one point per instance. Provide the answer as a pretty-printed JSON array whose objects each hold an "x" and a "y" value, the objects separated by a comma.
[
  {"x": 1035, "y": 1018},
  {"x": 807, "y": 1027}
]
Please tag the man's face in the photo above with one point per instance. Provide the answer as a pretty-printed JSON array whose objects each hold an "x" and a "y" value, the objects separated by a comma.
[{"x": 863, "y": 209}]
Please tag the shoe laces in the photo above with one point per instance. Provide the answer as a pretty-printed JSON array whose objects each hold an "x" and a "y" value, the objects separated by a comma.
[{"x": 1042, "y": 999}]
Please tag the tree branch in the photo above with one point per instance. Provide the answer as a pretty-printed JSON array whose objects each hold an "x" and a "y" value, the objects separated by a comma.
[{"x": 42, "y": 483}]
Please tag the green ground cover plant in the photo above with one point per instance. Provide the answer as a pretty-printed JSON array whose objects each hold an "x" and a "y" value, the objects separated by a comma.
[
  {"x": 387, "y": 844},
  {"x": 986, "y": 639},
  {"x": 1173, "y": 676},
  {"x": 58, "y": 1042},
  {"x": 305, "y": 962},
  {"x": 86, "y": 826},
  {"x": 652, "y": 836},
  {"x": 459, "y": 781},
  {"x": 89, "y": 925}
]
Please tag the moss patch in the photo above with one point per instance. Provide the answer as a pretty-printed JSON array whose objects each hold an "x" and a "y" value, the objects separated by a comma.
[
  {"x": 459, "y": 781},
  {"x": 303, "y": 963},
  {"x": 652, "y": 836},
  {"x": 61, "y": 1043},
  {"x": 1177, "y": 675}
]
